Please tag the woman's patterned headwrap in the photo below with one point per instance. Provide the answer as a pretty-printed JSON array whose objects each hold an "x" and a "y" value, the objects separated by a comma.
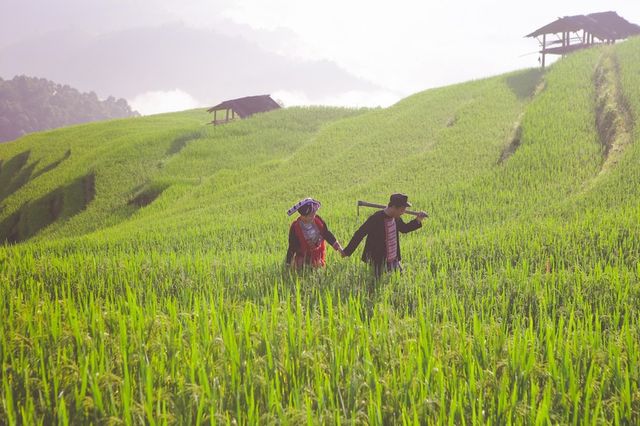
[{"x": 315, "y": 205}]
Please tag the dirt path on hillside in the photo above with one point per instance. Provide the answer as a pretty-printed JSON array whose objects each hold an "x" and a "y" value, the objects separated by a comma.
[
  {"x": 515, "y": 138},
  {"x": 614, "y": 120}
]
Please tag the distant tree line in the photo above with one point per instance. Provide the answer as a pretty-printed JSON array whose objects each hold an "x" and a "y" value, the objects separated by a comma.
[{"x": 31, "y": 104}]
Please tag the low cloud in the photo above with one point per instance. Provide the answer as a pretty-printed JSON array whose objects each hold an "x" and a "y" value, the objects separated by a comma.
[
  {"x": 347, "y": 99},
  {"x": 157, "y": 102}
]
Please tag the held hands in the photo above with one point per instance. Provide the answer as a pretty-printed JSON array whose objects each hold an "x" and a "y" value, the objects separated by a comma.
[{"x": 339, "y": 249}]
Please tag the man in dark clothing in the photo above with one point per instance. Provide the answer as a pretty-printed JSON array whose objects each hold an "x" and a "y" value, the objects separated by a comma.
[{"x": 382, "y": 248}]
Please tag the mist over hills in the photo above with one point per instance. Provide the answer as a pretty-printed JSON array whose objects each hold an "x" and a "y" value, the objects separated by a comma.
[{"x": 207, "y": 65}]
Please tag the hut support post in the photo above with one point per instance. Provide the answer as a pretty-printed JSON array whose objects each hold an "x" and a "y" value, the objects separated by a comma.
[
  {"x": 214, "y": 117},
  {"x": 226, "y": 117},
  {"x": 544, "y": 47}
]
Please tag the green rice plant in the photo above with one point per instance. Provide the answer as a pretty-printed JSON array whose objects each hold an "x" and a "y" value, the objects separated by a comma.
[{"x": 519, "y": 303}]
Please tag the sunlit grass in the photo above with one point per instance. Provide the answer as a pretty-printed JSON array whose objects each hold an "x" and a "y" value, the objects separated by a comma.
[{"x": 519, "y": 303}]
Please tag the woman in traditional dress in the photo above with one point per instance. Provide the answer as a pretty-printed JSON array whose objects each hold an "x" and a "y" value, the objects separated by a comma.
[{"x": 307, "y": 236}]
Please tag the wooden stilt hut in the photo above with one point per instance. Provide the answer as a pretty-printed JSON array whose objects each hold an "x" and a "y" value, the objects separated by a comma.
[
  {"x": 571, "y": 33},
  {"x": 242, "y": 108}
]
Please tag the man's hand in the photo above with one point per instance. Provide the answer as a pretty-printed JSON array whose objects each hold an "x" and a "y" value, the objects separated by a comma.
[{"x": 421, "y": 216}]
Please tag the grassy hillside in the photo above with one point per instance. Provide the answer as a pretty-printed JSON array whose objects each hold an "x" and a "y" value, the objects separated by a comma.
[{"x": 142, "y": 278}]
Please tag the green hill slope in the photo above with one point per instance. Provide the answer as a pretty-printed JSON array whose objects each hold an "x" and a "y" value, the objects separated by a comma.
[{"x": 147, "y": 284}]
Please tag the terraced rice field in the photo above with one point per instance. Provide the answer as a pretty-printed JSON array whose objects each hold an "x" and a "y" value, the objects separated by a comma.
[{"x": 142, "y": 278}]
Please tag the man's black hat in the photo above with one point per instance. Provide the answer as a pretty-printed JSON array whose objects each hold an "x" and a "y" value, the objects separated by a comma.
[{"x": 399, "y": 200}]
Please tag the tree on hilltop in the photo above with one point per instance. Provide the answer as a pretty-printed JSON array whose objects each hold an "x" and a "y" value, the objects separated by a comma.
[{"x": 31, "y": 104}]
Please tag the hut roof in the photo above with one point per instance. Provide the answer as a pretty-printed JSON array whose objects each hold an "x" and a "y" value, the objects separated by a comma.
[
  {"x": 604, "y": 25},
  {"x": 247, "y": 106}
]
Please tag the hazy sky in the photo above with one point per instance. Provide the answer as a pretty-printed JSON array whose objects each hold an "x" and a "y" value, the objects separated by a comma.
[
  {"x": 408, "y": 45},
  {"x": 402, "y": 47}
]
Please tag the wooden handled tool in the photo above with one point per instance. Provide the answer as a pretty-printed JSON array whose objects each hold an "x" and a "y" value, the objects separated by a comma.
[{"x": 381, "y": 206}]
